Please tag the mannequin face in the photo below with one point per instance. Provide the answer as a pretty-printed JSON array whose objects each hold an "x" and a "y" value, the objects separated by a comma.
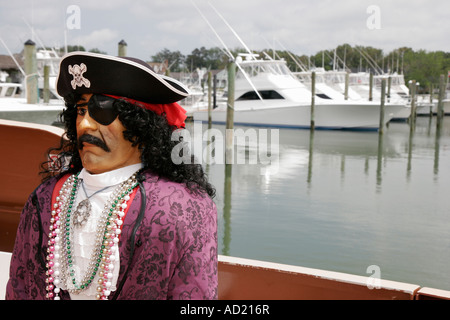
[{"x": 102, "y": 148}]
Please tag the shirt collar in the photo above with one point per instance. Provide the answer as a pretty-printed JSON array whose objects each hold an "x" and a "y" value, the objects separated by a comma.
[{"x": 109, "y": 178}]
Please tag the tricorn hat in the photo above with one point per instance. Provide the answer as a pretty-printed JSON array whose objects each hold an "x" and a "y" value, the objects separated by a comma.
[{"x": 87, "y": 72}]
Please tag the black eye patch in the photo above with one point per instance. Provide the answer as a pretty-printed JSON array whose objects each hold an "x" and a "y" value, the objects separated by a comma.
[{"x": 102, "y": 109}]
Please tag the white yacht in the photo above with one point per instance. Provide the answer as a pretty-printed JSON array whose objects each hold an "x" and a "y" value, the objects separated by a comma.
[
  {"x": 13, "y": 101},
  {"x": 284, "y": 101},
  {"x": 14, "y": 106}
]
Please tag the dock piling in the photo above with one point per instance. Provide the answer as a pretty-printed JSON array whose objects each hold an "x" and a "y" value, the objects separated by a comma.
[
  {"x": 431, "y": 99},
  {"x": 229, "y": 136},
  {"x": 214, "y": 91},
  {"x": 46, "y": 93},
  {"x": 412, "y": 90},
  {"x": 31, "y": 79},
  {"x": 122, "y": 49},
  {"x": 382, "y": 106},
  {"x": 313, "y": 99},
  {"x": 389, "y": 85},
  {"x": 209, "y": 99},
  {"x": 440, "y": 109},
  {"x": 347, "y": 78}
]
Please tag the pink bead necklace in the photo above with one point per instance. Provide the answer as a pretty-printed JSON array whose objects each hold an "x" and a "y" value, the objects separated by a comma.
[{"x": 60, "y": 259}]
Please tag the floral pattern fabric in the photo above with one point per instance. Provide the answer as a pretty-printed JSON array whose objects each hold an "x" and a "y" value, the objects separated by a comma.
[{"x": 173, "y": 255}]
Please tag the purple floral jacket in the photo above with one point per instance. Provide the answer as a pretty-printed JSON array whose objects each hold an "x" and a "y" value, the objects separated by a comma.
[{"x": 167, "y": 251}]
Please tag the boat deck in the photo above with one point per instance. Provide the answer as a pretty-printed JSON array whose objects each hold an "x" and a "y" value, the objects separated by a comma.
[{"x": 244, "y": 279}]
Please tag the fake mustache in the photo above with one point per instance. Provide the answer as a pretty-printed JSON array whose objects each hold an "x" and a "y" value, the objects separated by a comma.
[{"x": 92, "y": 140}]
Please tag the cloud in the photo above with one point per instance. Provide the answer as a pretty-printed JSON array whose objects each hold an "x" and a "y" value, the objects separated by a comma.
[
  {"x": 302, "y": 26},
  {"x": 96, "y": 39}
]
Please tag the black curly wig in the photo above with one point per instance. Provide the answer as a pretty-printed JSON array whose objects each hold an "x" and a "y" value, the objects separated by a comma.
[{"x": 143, "y": 128}]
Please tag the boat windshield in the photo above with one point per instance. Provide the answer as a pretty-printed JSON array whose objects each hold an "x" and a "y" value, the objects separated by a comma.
[
  {"x": 254, "y": 68},
  {"x": 363, "y": 78},
  {"x": 265, "y": 94},
  {"x": 9, "y": 89}
]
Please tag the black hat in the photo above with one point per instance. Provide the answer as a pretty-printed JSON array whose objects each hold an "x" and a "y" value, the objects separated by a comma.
[{"x": 87, "y": 72}]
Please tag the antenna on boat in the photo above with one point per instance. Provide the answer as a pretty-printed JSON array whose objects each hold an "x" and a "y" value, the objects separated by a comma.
[
  {"x": 335, "y": 58},
  {"x": 275, "y": 54},
  {"x": 232, "y": 30},
  {"x": 297, "y": 62},
  {"x": 230, "y": 55},
  {"x": 369, "y": 59},
  {"x": 228, "y": 52},
  {"x": 39, "y": 39},
  {"x": 12, "y": 56}
]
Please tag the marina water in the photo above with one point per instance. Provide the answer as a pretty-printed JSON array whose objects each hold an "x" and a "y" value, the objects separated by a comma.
[{"x": 343, "y": 201}]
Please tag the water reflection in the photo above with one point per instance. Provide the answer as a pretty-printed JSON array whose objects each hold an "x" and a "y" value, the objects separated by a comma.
[
  {"x": 379, "y": 160},
  {"x": 227, "y": 210},
  {"x": 310, "y": 158},
  {"x": 437, "y": 149},
  {"x": 343, "y": 201},
  {"x": 410, "y": 149}
]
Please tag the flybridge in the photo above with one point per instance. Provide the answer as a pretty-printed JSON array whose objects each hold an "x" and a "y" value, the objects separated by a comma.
[{"x": 254, "y": 67}]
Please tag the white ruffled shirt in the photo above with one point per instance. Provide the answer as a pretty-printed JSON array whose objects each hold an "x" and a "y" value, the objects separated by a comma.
[{"x": 84, "y": 237}]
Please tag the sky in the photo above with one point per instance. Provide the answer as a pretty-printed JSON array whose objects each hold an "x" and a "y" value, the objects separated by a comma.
[{"x": 300, "y": 26}]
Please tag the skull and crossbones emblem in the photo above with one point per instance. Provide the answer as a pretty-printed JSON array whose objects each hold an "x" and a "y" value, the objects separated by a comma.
[{"x": 78, "y": 78}]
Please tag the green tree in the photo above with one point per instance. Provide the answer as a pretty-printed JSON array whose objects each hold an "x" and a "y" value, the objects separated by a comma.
[
  {"x": 422, "y": 66},
  {"x": 212, "y": 59},
  {"x": 71, "y": 48},
  {"x": 175, "y": 59},
  {"x": 96, "y": 50}
]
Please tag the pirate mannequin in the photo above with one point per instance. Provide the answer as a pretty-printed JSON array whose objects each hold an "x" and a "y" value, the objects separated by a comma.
[{"x": 122, "y": 221}]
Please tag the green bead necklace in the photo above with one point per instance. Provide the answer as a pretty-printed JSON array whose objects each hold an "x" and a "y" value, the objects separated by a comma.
[{"x": 108, "y": 233}]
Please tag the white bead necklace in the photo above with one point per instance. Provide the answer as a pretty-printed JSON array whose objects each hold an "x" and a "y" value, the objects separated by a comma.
[{"x": 60, "y": 260}]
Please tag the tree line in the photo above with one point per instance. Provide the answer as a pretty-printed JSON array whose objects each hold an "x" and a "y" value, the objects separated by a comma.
[{"x": 423, "y": 66}]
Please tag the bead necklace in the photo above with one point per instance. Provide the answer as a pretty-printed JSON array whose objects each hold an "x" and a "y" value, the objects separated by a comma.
[
  {"x": 60, "y": 260},
  {"x": 83, "y": 210}
]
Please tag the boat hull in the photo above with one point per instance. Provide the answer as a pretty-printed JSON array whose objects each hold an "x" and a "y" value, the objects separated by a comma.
[
  {"x": 245, "y": 279},
  {"x": 18, "y": 110},
  {"x": 48, "y": 117},
  {"x": 446, "y": 107},
  {"x": 339, "y": 116}
]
